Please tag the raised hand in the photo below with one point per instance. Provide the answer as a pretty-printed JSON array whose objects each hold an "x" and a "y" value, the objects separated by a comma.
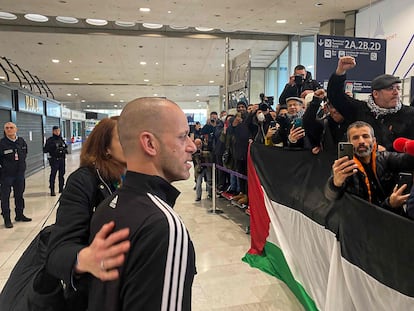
[{"x": 344, "y": 64}]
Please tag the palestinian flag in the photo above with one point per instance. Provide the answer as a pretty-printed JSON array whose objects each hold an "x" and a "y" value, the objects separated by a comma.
[{"x": 342, "y": 255}]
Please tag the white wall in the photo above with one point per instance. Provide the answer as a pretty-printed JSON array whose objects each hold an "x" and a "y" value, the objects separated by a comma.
[{"x": 391, "y": 20}]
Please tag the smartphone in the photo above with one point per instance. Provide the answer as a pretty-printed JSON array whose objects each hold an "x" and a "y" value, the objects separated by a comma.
[
  {"x": 297, "y": 122},
  {"x": 405, "y": 178},
  {"x": 272, "y": 124},
  {"x": 345, "y": 149}
]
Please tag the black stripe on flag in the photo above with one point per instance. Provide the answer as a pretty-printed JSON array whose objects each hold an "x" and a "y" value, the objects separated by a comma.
[{"x": 377, "y": 241}]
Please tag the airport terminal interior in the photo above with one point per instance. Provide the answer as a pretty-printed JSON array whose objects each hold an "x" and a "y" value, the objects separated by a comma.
[{"x": 73, "y": 63}]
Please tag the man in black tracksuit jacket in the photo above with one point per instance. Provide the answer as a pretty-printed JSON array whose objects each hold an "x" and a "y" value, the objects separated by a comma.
[
  {"x": 160, "y": 266},
  {"x": 13, "y": 152},
  {"x": 57, "y": 149}
]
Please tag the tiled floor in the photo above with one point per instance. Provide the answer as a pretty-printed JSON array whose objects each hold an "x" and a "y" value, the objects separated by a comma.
[{"x": 223, "y": 281}]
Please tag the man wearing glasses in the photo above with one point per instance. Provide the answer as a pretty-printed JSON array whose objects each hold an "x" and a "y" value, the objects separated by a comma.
[
  {"x": 383, "y": 110},
  {"x": 13, "y": 151}
]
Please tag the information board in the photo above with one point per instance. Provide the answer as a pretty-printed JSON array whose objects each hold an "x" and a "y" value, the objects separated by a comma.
[{"x": 370, "y": 56}]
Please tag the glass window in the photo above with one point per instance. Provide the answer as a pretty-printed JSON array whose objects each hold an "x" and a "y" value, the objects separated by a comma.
[
  {"x": 294, "y": 53},
  {"x": 307, "y": 53},
  {"x": 283, "y": 74},
  {"x": 199, "y": 115},
  {"x": 271, "y": 79},
  {"x": 301, "y": 50},
  {"x": 76, "y": 131}
]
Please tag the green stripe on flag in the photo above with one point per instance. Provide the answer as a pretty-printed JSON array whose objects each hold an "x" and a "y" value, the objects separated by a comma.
[{"x": 273, "y": 262}]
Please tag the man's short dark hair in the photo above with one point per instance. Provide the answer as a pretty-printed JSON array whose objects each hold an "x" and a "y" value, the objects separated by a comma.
[
  {"x": 299, "y": 67},
  {"x": 359, "y": 124},
  {"x": 241, "y": 103}
]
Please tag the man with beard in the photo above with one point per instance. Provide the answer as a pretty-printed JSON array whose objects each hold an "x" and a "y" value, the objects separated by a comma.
[
  {"x": 289, "y": 134},
  {"x": 383, "y": 109},
  {"x": 371, "y": 174}
]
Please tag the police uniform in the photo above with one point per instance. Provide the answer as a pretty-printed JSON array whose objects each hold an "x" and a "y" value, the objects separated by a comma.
[
  {"x": 13, "y": 166},
  {"x": 57, "y": 149}
]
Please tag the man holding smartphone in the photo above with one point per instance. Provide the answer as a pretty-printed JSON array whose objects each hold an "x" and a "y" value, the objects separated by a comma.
[
  {"x": 299, "y": 85},
  {"x": 370, "y": 174},
  {"x": 291, "y": 131}
]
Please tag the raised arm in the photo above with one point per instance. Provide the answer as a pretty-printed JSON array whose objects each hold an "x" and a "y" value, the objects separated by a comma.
[{"x": 346, "y": 105}]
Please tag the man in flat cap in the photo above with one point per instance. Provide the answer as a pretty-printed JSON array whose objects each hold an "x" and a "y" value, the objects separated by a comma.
[
  {"x": 383, "y": 110},
  {"x": 57, "y": 149},
  {"x": 291, "y": 131}
]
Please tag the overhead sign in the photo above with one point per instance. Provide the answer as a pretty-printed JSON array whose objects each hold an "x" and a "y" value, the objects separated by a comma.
[
  {"x": 370, "y": 55},
  {"x": 53, "y": 109},
  {"x": 30, "y": 103},
  {"x": 6, "y": 99}
]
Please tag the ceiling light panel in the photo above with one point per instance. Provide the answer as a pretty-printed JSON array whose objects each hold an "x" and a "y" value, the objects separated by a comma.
[
  {"x": 203, "y": 29},
  {"x": 175, "y": 27},
  {"x": 125, "y": 24},
  {"x": 96, "y": 22},
  {"x": 67, "y": 19},
  {"x": 6, "y": 15},
  {"x": 152, "y": 26},
  {"x": 36, "y": 18}
]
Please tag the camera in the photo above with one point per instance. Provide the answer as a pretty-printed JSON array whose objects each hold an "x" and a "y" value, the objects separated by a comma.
[
  {"x": 299, "y": 79},
  {"x": 270, "y": 100},
  {"x": 263, "y": 107},
  {"x": 266, "y": 99}
]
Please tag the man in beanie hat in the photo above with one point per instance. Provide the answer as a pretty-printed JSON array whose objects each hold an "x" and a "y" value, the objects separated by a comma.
[
  {"x": 383, "y": 110},
  {"x": 57, "y": 149}
]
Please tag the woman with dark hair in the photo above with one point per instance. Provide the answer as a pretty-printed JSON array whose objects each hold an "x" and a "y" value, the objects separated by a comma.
[{"x": 70, "y": 258}]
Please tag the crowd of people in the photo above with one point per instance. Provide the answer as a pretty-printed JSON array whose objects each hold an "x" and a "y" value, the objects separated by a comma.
[
  {"x": 106, "y": 257},
  {"x": 310, "y": 118}
]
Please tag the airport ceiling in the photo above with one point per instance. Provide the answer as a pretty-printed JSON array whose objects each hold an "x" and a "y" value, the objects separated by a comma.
[{"x": 107, "y": 66}]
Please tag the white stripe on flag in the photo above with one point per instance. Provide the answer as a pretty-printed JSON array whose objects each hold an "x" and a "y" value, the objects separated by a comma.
[{"x": 314, "y": 257}]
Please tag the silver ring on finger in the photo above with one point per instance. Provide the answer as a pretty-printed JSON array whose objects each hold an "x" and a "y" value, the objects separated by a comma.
[{"x": 103, "y": 265}]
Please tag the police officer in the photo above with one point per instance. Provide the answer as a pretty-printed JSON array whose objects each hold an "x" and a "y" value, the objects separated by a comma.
[
  {"x": 13, "y": 152},
  {"x": 57, "y": 149}
]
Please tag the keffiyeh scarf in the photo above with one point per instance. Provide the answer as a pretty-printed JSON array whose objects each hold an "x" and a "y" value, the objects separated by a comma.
[{"x": 378, "y": 111}]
